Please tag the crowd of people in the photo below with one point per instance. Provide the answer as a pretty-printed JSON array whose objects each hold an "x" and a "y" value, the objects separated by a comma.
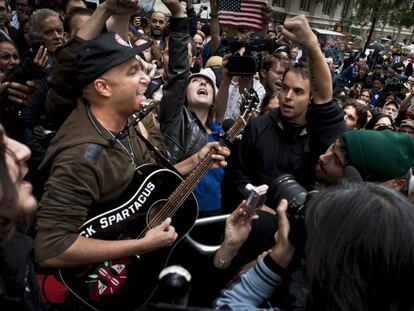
[{"x": 120, "y": 128}]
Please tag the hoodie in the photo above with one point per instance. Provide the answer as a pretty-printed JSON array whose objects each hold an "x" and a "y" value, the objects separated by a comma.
[{"x": 85, "y": 167}]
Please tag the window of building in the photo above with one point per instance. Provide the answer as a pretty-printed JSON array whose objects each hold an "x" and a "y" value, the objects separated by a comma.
[
  {"x": 327, "y": 7},
  {"x": 305, "y": 5},
  {"x": 345, "y": 8},
  {"x": 279, "y": 3}
]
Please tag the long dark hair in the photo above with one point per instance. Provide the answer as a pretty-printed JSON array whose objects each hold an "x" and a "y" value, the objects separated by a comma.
[
  {"x": 360, "y": 109},
  {"x": 8, "y": 196},
  {"x": 375, "y": 118},
  {"x": 360, "y": 249}
]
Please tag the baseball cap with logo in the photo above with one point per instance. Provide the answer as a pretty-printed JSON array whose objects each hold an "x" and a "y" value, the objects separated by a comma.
[{"x": 98, "y": 55}]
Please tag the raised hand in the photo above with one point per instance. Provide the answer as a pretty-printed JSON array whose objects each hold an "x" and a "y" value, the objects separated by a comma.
[
  {"x": 267, "y": 13},
  {"x": 224, "y": 70},
  {"x": 41, "y": 58},
  {"x": 238, "y": 226},
  {"x": 174, "y": 6},
  {"x": 213, "y": 6},
  {"x": 121, "y": 7},
  {"x": 137, "y": 22},
  {"x": 237, "y": 231},
  {"x": 297, "y": 30}
]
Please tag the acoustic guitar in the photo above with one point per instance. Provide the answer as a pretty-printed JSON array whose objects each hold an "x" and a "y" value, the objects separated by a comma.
[{"x": 154, "y": 194}]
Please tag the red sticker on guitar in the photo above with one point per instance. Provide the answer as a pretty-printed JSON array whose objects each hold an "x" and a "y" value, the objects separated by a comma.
[{"x": 107, "y": 278}]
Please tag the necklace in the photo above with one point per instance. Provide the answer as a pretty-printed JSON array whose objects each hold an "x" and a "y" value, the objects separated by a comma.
[{"x": 129, "y": 152}]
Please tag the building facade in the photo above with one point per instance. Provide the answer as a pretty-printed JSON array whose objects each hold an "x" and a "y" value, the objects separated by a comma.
[{"x": 326, "y": 15}]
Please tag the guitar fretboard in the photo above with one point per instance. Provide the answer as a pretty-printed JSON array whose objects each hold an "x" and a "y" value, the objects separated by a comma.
[{"x": 182, "y": 192}]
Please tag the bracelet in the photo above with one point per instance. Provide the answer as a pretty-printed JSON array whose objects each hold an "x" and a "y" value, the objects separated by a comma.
[
  {"x": 221, "y": 261},
  {"x": 213, "y": 15}
]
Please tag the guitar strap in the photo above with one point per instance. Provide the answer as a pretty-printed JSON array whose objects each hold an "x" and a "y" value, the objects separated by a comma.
[{"x": 158, "y": 154}]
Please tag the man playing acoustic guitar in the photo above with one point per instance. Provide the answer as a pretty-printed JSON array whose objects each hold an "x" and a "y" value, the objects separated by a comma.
[{"x": 94, "y": 157}]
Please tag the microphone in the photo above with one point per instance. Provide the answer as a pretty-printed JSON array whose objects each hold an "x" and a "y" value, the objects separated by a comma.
[
  {"x": 145, "y": 110},
  {"x": 351, "y": 174},
  {"x": 227, "y": 124}
]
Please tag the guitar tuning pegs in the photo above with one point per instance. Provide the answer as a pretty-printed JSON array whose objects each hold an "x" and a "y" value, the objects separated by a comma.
[{"x": 242, "y": 100}]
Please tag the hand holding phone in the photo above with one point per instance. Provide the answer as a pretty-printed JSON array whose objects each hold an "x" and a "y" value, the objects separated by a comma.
[
  {"x": 257, "y": 197},
  {"x": 35, "y": 45}
]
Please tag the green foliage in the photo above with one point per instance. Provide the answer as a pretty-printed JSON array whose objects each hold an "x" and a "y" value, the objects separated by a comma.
[
  {"x": 399, "y": 13},
  {"x": 402, "y": 14}
]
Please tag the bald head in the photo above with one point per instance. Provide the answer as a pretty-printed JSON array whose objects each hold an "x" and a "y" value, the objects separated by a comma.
[{"x": 158, "y": 22}]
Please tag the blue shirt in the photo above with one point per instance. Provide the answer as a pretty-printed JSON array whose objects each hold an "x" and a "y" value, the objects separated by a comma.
[
  {"x": 206, "y": 54},
  {"x": 208, "y": 190}
]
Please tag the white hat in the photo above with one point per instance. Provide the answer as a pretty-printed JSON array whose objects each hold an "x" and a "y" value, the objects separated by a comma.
[{"x": 210, "y": 75}]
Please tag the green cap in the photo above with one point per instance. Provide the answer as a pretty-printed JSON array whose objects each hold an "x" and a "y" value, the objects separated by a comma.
[{"x": 379, "y": 155}]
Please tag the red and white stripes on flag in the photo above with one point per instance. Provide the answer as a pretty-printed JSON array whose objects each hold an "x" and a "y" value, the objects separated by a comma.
[{"x": 242, "y": 13}]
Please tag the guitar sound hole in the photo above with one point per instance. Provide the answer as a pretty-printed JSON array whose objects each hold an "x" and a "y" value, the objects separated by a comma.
[{"x": 157, "y": 214}]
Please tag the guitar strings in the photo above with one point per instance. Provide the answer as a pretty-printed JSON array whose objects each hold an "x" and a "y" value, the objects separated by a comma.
[{"x": 176, "y": 199}]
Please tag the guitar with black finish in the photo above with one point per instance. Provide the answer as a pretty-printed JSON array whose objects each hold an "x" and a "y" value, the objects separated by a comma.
[{"x": 154, "y": 194}]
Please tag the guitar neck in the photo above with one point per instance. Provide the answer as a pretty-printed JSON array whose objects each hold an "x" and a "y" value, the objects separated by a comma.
[
  {"x": 187, "y": 186},
  {"x": 182, "y": 192}
]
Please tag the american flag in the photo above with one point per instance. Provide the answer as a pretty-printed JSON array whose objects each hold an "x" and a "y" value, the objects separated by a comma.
[{"x": 241, "y": 13}]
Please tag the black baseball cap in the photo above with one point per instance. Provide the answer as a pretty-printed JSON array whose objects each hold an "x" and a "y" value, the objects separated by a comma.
[{"x": 106, "y": 51}]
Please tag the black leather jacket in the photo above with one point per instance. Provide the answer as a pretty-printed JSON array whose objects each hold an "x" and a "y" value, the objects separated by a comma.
[{"x": 184, "y": 134}]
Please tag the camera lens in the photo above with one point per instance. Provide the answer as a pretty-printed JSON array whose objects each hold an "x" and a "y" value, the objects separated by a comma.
[{"x": 286, "y": 187}]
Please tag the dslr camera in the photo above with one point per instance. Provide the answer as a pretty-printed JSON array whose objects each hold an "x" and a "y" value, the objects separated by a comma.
[
  {"x": 286, "y": 187},
  {"x": 250, "y": 62},
  {"x": 144, "y": 21}
]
